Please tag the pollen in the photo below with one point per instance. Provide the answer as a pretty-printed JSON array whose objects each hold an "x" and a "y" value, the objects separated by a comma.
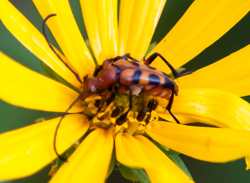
[{"x": 132, "y": 118}]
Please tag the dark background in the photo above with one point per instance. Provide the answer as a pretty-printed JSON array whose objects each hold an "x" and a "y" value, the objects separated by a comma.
[{"x": 12, "y": 117}]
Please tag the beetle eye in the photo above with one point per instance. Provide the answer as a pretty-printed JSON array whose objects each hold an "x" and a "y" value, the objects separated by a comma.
[
  {"x": 92, "y": 90},
  {"x": 97, "y": 70}
]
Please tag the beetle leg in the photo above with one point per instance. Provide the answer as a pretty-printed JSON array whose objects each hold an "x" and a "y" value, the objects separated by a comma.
[
  {"x": 153, "y": 57},
  {"x": 123, "y": 117},
  {"x": 170, "y": 105},
  {"x": 58, "y": 125}
]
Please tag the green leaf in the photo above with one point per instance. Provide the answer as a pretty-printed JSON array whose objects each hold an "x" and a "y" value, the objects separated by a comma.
[
  {"x": 133, "y": 174},
  {"x": 41, "y": 119},
  {"x": 112, "y": 163},
  {"x": 53, "y": 75},
  {"x": 142, "y": 175},
  {"x": 59, "y": 162},
  {"x": 72, "y": 149},
  {"x": 127, "y": 173},
  {"x": 179, "y": 70},
  {"x": 91, "y": 51},
  {"x": 173, "y": 155},
  {"x": 150, "y": 47},
  {"x": 178, "y": 161},
  {"x": 164, "y": 149}
]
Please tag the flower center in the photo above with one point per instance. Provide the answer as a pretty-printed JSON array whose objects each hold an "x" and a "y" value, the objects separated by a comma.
[{"x": 133, "y": 119}]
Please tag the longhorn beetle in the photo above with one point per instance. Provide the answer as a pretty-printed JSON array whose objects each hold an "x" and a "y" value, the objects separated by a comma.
[{"x": 123, "y": 75}]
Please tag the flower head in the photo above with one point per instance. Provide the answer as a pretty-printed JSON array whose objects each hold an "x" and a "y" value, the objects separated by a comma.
[{"x": 134, "y": 127}]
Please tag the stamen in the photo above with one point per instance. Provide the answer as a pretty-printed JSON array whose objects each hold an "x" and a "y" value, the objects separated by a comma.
[
  {"x": 133, "y": 119},
  {"x": 97, "y": 103},
  {"x": 116, "y": 112},
  {"x": 142, "y": 113}
]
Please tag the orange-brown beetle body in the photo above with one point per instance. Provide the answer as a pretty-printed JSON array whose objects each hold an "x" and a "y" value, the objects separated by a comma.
[{"x": 129, "y": 75}]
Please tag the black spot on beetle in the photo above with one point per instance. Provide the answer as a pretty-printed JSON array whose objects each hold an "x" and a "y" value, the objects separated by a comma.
[
  {"x": 154, "y": 79},
  {"x": 135, "y": 64},
  {"x": 168, "y": 84},
  {"x": 136, "y": 77}
]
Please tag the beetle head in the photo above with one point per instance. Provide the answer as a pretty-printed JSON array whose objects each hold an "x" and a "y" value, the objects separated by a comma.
[{"x": 89, "y": 87}]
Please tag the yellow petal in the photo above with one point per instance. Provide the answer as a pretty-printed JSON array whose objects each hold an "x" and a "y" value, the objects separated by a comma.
[
  {"x": 230, "y": 74},
  {"x": 33, "y": 40},
  {"x": 23, "y": 87},
  {"x": 137, "y": 23},
  {"x": 67, "y": 34},
  {"x": 100, "y": 18},
  {"x": 139, "y": 152},
  {"x": 211, "y": 106},
  {"x": 203, "y": 143},
  {"x": 202, "y": 24},
  {"x": 29, "y": 149},
  {"x": 90, "y": 161}
]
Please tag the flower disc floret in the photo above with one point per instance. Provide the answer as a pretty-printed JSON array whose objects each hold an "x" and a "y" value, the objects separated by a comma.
[{"x": 138, "y": 118}]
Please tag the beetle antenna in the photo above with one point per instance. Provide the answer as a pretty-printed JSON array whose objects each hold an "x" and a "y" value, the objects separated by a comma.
[
  {"x": 51, "y": 47},
  {"x": 58, "y": 125}
]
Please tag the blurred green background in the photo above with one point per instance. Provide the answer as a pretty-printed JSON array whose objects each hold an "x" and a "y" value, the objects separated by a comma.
[{"x": 12, "y": 117}]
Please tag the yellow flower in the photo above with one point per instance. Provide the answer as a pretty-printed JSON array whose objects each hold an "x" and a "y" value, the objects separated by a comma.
[{"x": 210, "y": 95}]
